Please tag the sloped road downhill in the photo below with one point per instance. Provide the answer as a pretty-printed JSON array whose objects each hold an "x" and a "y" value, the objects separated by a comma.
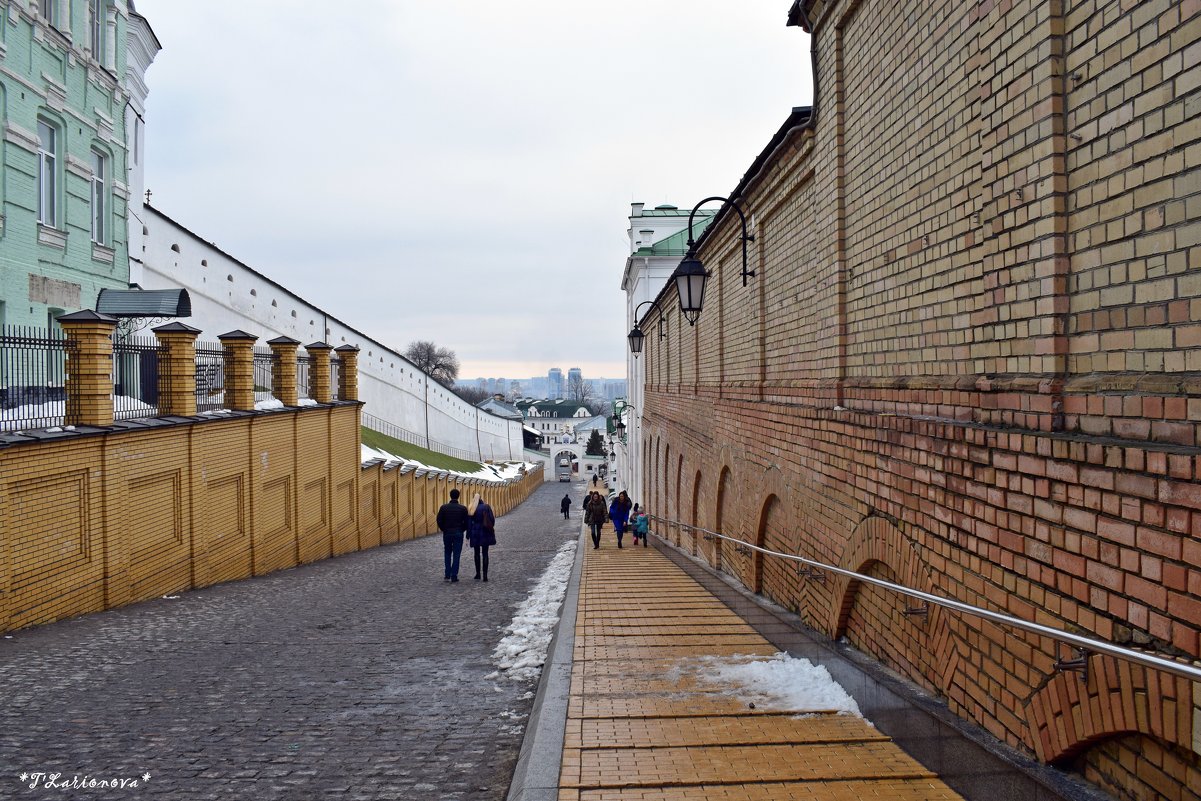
[{"x": 360, "y": 677}]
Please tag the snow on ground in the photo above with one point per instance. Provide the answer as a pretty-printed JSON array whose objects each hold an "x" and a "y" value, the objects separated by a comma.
[
  {"x": 39, "y": 416},
  {"x": 522, "y": 652},
  {"x": 488, "y": 472},
  {"x": 778, "y": 682}
]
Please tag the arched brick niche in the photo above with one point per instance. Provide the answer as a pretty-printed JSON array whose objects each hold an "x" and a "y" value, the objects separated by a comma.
[
  {"x": 874, "y": 619},
  {"x": 696, "y": 504},
  {"x": 1132, "y": 730},
  {"x": 775, "y": 530}
]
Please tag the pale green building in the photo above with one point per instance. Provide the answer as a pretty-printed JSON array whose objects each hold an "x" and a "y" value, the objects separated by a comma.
[{"x": 71, "y": 98}]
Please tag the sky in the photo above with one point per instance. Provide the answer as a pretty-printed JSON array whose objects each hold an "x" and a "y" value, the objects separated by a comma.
[{"x": 460, "y": 171}]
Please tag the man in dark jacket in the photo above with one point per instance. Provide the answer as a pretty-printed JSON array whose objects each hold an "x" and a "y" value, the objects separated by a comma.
[
  {"x": 565, "y": 507},
  {"x": 452, "y": 522}
]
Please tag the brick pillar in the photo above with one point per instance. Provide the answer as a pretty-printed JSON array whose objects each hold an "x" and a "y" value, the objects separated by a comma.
[
  {"x": 177, "y": 369},
  {"x": 348, "y": 377},
  {"x": 319, "y": 378},
  {"x": 89, "y": 368},
  {"x": 239, "y": 370},
  {"x": 283, "y": 376}
]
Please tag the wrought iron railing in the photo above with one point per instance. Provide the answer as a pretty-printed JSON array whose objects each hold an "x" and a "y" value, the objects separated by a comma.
[
  {"x": 404, "y": 435},
  {"x": 335, "y": 378},
  {"x": 136, "y": 377},
  {"x": 264, "y": 374},
  {"x": 814, "y": 570},
  {"x": 33, "y": 371},
  {"x": 210, "y": 376},
  {"x": 304, "y": 373}
]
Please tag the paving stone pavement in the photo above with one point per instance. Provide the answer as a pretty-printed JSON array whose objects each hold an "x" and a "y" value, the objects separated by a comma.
[{"x": 359, "y": 677}]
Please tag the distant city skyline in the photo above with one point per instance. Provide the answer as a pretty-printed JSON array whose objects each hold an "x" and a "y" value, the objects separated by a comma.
[{"x": 605, "y": 388}]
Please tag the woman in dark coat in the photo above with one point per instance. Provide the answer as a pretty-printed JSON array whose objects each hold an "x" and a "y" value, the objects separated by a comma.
[
  {"x": 595, "y": 516},
  {"x": 619, "y": 513},
  {"x": 481, "y": 533}
]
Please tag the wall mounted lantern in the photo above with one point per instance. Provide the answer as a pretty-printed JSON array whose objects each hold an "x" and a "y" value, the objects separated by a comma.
[
  {"x": 690, "y": 276},
  {"x": 636, "y": 336}
]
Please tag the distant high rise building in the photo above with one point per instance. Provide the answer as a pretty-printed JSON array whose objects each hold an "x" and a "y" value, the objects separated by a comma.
[
  {"x": 575, "y": 377},
  {"x": 554, "y": 383},
  {"x": 615, "y": 389}
]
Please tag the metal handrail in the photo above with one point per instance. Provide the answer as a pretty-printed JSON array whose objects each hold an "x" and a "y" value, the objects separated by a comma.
[{"x": 1086, "y": 644}]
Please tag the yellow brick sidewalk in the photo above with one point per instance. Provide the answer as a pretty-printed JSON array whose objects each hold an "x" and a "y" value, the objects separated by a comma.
[{"x": 641, "y": 729}]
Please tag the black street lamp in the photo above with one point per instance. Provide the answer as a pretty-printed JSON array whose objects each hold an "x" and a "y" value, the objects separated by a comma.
[
  {"x": 691, "y": 274},
  {"x": 636, "y": 336}
]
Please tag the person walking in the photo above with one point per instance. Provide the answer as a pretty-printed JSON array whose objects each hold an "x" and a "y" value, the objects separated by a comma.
[
  {"x": 594, "y": 479},
  {"x": 481, "y": 533},
  {"x": 565, "y": 506},
  {"x": 452, "y": 522},
  {"x": 619, "y": 513},
  {"x": 595, "y": 515},
  {"x": 640, "y": 525}
]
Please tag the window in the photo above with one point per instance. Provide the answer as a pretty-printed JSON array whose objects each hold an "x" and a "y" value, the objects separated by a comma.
[
  {"x": 97, "y": 22},
  {"x": 99, "y": 198},
  {"x": 47, "y": 174},
  {"x": 49, "y": 10}
]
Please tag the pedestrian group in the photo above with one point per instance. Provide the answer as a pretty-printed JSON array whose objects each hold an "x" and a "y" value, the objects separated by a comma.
[{"x": 477, "y": 522}]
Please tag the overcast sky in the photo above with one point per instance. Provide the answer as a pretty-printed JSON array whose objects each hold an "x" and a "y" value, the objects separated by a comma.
[{"x": 460, "y": 170}]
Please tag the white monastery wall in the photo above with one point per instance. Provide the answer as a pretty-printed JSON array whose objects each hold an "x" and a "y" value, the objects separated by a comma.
[{"x": 227, "y": 294}]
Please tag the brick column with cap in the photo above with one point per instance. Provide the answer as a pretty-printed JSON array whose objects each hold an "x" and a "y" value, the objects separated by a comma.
[
  {"x": 283, "y": 376},
  {"x": 348, "y": 377},
  {"x": 177, "y": 369},
  {"x": 89, "y": 368},
  {"x": 239, "y": 369},
  {"x": 319, "y": 378}
]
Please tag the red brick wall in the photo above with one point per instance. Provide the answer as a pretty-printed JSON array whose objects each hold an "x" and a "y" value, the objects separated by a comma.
[{"x": 970, "y": 362}]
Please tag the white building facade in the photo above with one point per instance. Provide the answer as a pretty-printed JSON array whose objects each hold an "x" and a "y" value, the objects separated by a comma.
[{"x": 658, "y": 241}]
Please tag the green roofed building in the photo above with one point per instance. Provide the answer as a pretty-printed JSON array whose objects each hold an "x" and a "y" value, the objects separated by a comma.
[{"x": 71, "y": 93}]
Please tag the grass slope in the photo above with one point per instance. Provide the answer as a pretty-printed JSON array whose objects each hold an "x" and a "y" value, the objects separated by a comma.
[{"x": 406, "y": 450}]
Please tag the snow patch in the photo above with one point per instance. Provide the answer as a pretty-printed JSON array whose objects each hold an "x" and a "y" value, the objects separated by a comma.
[
  {"x": 522, "y": 652},
  {"x": 779, "y": 682}
]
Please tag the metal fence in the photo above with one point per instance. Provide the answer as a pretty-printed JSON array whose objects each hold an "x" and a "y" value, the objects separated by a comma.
[
  {"x": 394, "y": 431},
  {"x": 210, "y": 376},
  {"x": 304, "y": 372},
  {"x": 264, "y": 374},
  {"x": 33, "y": 373},
  {"x": 335, "y": 377},
  {"x": 136, "y": 378}
]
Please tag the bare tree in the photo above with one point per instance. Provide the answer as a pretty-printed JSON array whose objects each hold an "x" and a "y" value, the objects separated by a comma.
[
  {"x": 472, "y": 395},
  {"x": 580, "y": 390},
  {"x": 440, "y": 364}
]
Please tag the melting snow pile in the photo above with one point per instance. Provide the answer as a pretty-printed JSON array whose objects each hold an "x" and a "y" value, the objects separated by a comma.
[
  {"x": 523, "y": 650},
  {"x": 780, "y": 682},
  {"x": 488, "y": 471}
]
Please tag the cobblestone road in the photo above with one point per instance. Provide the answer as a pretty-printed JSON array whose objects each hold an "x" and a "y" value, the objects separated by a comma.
[{"x": 361, "y": 677}]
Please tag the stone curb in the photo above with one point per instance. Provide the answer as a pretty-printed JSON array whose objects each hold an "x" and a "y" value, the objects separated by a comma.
[{"x": 536, "y": 776}]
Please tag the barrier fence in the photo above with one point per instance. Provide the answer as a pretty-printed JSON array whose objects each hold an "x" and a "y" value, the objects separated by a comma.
[{"x": 33, "y": 370}]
